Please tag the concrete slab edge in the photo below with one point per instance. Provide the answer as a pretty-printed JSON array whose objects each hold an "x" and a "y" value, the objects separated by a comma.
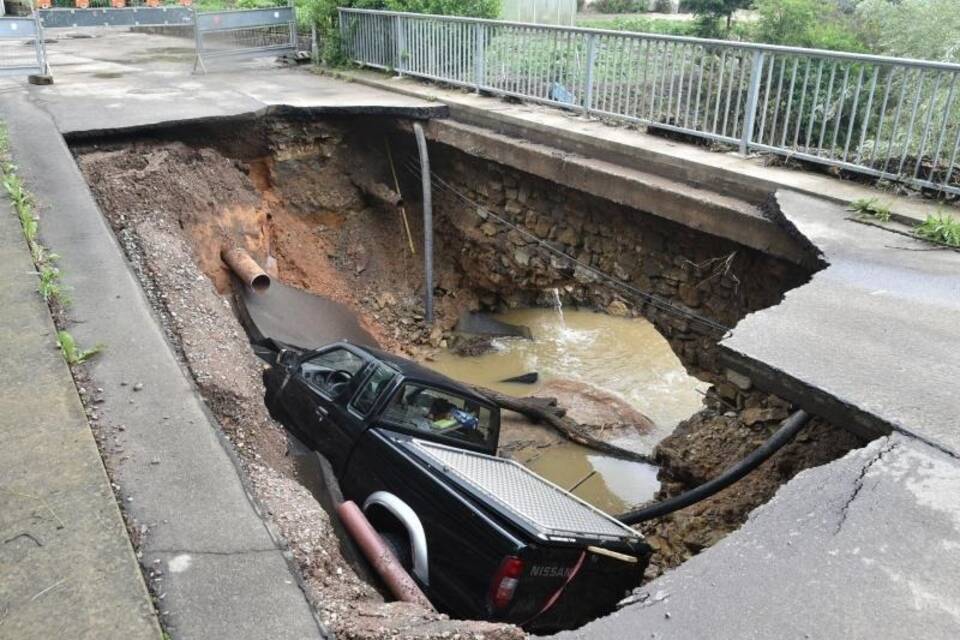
[
  {"x": 752, "y": 187},
  {"x": 414, "y": 113}
]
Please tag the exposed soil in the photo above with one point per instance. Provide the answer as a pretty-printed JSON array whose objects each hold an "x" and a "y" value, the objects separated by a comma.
[
  {"x": 708, "y": 443},
  {"x": 166, "y": 212},
  {"x": 174, "y": 207}
]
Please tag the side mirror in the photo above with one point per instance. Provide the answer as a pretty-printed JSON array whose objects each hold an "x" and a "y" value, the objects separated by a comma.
[{"x": 286, "y": 357}]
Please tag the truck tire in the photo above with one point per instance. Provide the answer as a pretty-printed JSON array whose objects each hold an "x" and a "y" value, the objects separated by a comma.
[{"x": 399, "y": 546}]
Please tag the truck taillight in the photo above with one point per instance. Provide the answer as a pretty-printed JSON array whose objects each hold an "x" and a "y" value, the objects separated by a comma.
[{"x": 505, "y": 582}]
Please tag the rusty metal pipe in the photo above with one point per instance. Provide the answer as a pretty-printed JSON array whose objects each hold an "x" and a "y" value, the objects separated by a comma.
[
  {"x": 384, "y": 563},
  {"x": 246, "y": 268}
]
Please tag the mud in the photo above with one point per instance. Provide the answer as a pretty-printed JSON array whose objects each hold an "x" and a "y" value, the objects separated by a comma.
[{"x": 293, "y": 195}]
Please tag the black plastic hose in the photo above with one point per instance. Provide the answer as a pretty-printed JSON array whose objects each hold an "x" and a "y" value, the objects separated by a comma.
[{"x": 789, "y": 428}]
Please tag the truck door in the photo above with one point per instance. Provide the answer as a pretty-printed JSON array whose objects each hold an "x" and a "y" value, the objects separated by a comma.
[{"x": 316, "y": 397}]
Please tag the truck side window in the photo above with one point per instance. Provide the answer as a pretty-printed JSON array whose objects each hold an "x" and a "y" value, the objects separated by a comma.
[
  {"x": 319, "y": 370},
  {"x": 374, "y": 386},
  {"x": 439, "y": 412}
]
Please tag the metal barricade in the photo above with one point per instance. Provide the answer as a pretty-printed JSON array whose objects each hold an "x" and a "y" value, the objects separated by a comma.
[
  {"x": 117, "y": 17},
  {"x": 22, "y": 51},
  {"x": 245, "y": 34},
  {"x": 890, "y": 118}
]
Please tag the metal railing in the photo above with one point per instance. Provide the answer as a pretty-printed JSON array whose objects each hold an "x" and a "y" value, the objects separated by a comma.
[
  {"x": 21, "y": 46},
  {"x": 889, "y": 118}
]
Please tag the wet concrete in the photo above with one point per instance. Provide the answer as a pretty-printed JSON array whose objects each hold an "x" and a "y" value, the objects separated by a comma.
[{"x": 870, "y": 341}]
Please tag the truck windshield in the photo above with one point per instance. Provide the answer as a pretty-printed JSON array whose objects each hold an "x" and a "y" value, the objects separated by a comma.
[{"x": 438, "y": 412}]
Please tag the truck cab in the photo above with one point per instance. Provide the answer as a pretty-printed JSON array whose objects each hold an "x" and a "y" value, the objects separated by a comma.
[{"x": 484, "y": 537}]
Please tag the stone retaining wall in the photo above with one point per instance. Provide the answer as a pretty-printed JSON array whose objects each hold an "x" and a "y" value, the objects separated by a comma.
[{"x": 700, "y": 273}]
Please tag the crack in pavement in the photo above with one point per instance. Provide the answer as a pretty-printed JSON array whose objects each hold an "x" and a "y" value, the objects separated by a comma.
[
  {"x": 239, "y": 552},
  {"x": 859, "y": 481}
]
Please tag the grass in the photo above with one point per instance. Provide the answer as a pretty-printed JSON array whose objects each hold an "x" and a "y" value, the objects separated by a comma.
[
  {"x": 71, "y": 352},
  {"x": 871, "y": 207},
  {"x": 941, "y": 228},
  {"x": 49, "y": 286}
]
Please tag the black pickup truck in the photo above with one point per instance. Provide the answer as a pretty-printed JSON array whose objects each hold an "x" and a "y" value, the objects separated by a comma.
[{"x": 484, "y": 537}]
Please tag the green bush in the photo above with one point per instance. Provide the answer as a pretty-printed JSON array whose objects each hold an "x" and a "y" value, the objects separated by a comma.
[
  {"x": 925, "y": 29},
  {"x": 323, "y": 15},
  {"x": 806, "y": 23},
  {"x": 642, "y": 24},
  {"x": 619, "y": 6}
]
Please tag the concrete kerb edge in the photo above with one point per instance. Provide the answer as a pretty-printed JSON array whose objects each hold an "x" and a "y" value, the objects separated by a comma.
[
  {"x": 81, "y": 410},
  {"x": 272, "y": 531}
]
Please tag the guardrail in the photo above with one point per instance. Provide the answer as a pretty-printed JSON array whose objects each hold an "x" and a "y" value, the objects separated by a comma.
[
  {"x": 889, "y": 118},
  {"x": 245, "y": 33},
  {"x": 21, "y": 47}
]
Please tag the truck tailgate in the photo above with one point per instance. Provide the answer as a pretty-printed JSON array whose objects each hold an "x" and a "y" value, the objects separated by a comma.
[{"x": 541, "y": 508}]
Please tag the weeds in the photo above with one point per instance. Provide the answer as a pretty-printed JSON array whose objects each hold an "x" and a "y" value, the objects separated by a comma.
[
  {"x": 941, "y": 228},
  {"x": 71, "y": 352},
  {"x": 871, "y": 207},
  {"x": 49, "y": 286}
]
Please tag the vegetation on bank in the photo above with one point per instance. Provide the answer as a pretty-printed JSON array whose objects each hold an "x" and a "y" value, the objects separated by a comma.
[
  {"x": 940, "y": 228},
  {"x": 49, "y": 285},
  {"x": 925, "y": 29}
]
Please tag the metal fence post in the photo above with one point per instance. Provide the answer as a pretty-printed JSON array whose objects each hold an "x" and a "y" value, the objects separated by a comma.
[
  {"x": 294, "y": 35},
  {"x": 39, "y": 44},
  {"x": 479, "y": 52},
  {"x": 753, "y": 95},
  {"x": 198, "y": 43},
  {"x": 588, "y": 72},
  {"x": 398, "y": 45}
]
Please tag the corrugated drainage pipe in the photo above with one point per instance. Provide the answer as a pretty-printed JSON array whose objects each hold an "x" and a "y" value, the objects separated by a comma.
[
  {"x": 246, "y": 268},
  {"x": 789, "y": 428},
  {"x": 384, "y": 563}
]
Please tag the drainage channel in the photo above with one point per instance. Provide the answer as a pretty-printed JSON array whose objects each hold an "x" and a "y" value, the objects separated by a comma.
[{"x": 304, "y": 191}]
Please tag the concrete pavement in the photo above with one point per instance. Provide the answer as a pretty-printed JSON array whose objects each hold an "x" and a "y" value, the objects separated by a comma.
[{"x": 67, "y": 569}]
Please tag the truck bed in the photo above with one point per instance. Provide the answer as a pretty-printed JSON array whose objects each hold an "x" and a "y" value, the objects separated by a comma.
[{"x": 544, "y": 510}]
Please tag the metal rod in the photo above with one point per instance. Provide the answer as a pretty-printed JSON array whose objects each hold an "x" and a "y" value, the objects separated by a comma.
[
  {"x": 427, "y": 223},
  {"x": 751, "y": 109}
]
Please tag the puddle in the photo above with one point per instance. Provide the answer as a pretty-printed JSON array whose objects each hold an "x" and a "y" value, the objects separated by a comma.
[{"x": 582, "y": 350}]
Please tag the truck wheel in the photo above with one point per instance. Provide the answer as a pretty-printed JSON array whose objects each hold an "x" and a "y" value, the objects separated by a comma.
[{"x": 399, "y": 546}]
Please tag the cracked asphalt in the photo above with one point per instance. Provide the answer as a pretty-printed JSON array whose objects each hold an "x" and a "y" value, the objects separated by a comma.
[{"x": 864, "y": 547}]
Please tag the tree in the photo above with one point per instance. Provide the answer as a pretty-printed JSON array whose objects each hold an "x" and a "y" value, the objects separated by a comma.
[{"x": 709, "y": 12}]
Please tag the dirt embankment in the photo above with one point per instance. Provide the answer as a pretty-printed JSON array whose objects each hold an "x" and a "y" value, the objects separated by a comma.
[
  {"x": 708, "y": 443},
  {"x": 172, "y": 208}
]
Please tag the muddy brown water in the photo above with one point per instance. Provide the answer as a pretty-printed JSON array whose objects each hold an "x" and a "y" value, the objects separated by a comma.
[{"x": 625, "y": 357}]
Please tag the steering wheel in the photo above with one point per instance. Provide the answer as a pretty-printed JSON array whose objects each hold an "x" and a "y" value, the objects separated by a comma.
[{"x": 338, "y": 380}]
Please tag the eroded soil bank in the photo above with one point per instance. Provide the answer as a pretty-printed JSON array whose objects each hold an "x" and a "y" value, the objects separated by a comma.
[{"x": 300, "y": 191}]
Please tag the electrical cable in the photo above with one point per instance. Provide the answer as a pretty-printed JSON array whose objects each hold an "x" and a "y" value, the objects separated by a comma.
[
  {"x": 649, "y": 298},
  {"x": 789, "y": 428}
]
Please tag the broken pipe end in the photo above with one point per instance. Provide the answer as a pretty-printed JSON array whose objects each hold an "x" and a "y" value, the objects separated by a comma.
[{"x": 246, "y": 268}]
